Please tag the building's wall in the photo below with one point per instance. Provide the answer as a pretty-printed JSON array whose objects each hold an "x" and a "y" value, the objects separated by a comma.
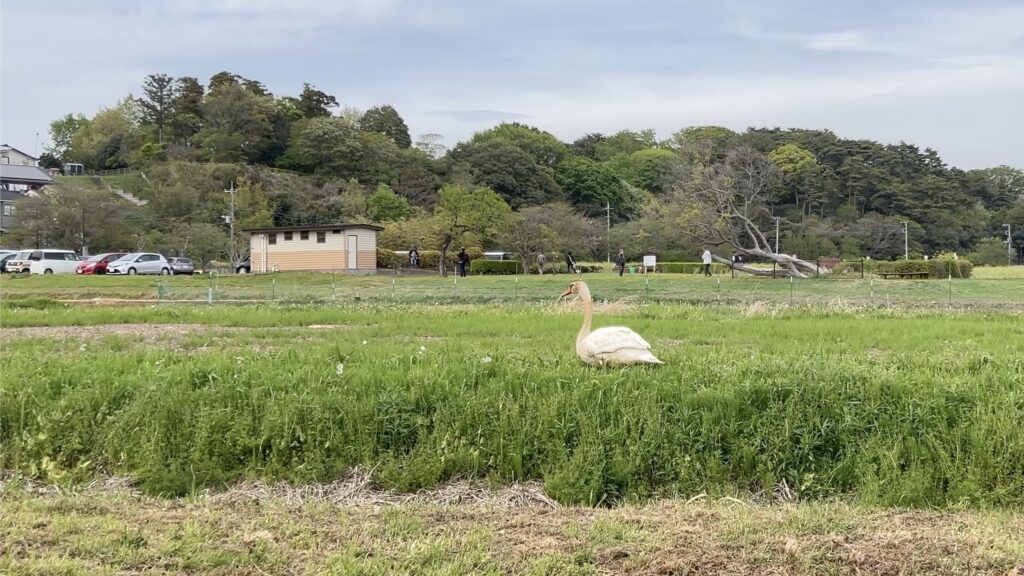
[
  {"x": 15, "y": 158},
  {"x": 297, "y": 254}
]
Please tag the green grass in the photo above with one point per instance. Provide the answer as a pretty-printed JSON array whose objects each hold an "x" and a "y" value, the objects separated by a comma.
[
  {"x": 982, "y": 293},
  {"x": 882, "y": 406}
]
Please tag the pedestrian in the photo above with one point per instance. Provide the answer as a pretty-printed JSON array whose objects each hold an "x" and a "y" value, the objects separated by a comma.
[
  {"x": 706, "y": 259},
  {"x": 540, "y": 263},
  {"x": 570, "y": 263},
  {"x": 463, "y": 262},
  {"x": 414, "y": 258},
  {"x": 620, "y": 262}
]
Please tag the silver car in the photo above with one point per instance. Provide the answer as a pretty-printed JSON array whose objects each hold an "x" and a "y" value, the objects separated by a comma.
[{"x": 139, "y": 263}]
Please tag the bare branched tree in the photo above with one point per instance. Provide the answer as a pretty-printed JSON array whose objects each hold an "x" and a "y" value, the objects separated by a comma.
[{"x": 733, "y": 202}]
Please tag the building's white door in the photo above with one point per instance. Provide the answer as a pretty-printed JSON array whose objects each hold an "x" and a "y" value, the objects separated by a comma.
[{"x": 353, "y": 251}]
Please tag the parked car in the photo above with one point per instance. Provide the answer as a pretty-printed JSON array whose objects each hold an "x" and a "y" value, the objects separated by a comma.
[
  {"x": 4, "y": 259},
  {"x": 139, "y": 263},
  {"x": 245, "y": 266},
  {"x": 19, "y": 263},
  {"x": 181, "y": 266},
  {"x": 97, "y": 264},
  {"x": 53, "y": 261}
]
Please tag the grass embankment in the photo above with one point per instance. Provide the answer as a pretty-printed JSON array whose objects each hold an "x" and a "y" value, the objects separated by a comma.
[
  {"x": 256, "y": 532},
  {"x": 884, "y": 408},
  {"x": 981, "y": 293}
]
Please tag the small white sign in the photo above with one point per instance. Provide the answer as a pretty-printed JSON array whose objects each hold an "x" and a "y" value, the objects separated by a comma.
[{"x": 650, "y": 260}]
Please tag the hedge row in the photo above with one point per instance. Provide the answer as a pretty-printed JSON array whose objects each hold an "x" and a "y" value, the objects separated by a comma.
[
  {"x": 936, "y": 268},
  {"x": 689, "y": 267},
  {"x": 429, "y": 259},
  {"x": 495, "y": 267}
]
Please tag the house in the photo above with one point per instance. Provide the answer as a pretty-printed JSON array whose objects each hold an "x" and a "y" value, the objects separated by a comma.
[
  {"x": 342, "y": 247},
  {"x": 8, "y": 209},
  {"x": 14, "y": 157},
  {"x": 21, "y": 178}
]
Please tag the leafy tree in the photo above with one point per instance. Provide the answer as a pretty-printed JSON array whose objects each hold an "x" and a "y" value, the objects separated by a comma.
[
  {"x": 704, "y": 145},
  {"x": 377, "y": 159},
  {"x": 315, "y": 103},
  {"x": 108, "y": 139},
  {"x": 624, "y": 143},
  {"x": 654, "y": 169},
  {"x": 551, "y": 228},
  {"x": 508, "y": 170},
  {"x": 385, "y": 120},
  {"x": 385, "y": 206},
  {"x": 460, "y": 211},
  {"x": 322, "y": 144},
  {"x": 417, "y": 179},
  {"x": 75, "y": 217},
  {"x": 238, "y": 125},
  {"x": 186, "y": 110},
  {"x": 591, "y": 187},
  {"x": 62, "y": 135},
  {"x": 157, "y": 101},
  {"x": 204, "y": 242},
  {"x": 543, "y": 148},
  {"x": 353, "y": 202},
  {"x": 588, "y": 145},
  {"x": 48, "y": 160},
  {"x": 430, "y": 144}
]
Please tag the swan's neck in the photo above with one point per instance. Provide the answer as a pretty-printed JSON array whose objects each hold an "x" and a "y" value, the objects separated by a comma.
[{"x": 588, "y": 311}]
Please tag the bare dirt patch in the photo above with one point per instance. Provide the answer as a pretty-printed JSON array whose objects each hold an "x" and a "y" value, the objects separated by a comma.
[{"x": 149, "y": 333}]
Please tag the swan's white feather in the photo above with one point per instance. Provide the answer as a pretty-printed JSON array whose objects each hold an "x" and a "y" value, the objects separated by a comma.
[{"x": 615, "y": 345}]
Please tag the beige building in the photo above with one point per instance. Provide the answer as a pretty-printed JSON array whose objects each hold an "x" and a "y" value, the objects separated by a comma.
[{"x": 339, "y": 247}]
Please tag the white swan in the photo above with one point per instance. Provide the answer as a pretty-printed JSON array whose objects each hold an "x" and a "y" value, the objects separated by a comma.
[{"x": 607, "y": 346}]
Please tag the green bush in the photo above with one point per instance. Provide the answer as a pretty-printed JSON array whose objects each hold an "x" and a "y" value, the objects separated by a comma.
[
  {"x": 689, "y": 267},
  {"x": 388, "y": 259},
  {"x": 432, "y": 258},
  {"x": 935, "y": 268},
  {"x": 483, "y": 266},
  {"x": 561, "y": 268}
]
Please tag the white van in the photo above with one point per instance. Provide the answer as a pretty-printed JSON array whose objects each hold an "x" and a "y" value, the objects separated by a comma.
[{"x": 53, "y": 262}]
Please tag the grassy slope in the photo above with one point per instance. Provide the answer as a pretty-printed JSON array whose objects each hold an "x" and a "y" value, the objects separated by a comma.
[{"x": 117, "y": 533}]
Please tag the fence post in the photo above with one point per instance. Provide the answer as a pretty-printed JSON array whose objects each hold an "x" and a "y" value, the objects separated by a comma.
[
  {"x": 773, "y": 268},
  {"x": 334, "y": 288},
  {"x": 273, "y": 288},
  {"x": 790, "y": 291},
  {"x": 817, "y": 268}
]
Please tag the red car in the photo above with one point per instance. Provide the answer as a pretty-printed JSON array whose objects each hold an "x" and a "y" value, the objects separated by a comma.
[{"x": 97, "y": 264}]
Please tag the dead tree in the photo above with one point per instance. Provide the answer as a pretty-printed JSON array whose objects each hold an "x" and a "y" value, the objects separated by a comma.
[{"x": 732, "y": 200}]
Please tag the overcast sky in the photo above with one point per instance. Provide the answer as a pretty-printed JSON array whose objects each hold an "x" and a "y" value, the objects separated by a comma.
[{"x": 937, "y": 73}]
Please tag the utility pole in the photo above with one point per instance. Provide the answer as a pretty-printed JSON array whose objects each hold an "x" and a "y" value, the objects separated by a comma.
[
  {"x": 1009, "y": 246},
  {"x": 776, "y": 234},
  {"x": 608, "y": 228},
  {"x": 906, "y": 241},
  {"x": 82, "y": 250},
  {"x": 231, "y": 227}
]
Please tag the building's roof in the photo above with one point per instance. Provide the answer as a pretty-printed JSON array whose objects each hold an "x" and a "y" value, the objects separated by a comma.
[
  {"x": 311, "y": 228},
  {"x": 24, "y": 174},
  {"x": 12, "y": 148}
]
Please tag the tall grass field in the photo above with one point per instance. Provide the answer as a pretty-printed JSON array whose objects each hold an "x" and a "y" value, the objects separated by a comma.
[{"x": 874, "y": 406}]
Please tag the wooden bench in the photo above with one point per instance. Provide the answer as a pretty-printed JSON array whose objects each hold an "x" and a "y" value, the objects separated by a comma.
[{"x": 903, "y": 275}]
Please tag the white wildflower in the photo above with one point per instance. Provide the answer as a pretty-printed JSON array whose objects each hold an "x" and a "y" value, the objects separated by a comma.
[
  {"x": 364, "y": 342},
  {"x": 486, "y": 360},
  {"x": 339, "y": 368}
]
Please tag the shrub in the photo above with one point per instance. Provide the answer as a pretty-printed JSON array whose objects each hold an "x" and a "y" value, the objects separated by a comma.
[
  {"x": 432, "y": 258},
  {"x": 388, "y": 259},
  {"x": 483, "y": 266},
  {"x": 561, "y": 268},
  {"x": 689, "y": 267},
  {"x": 935, "y": 268}
]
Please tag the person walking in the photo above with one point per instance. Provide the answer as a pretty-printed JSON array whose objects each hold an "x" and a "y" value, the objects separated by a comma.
[
  {"x": 414, "y": 258},
  {"x": 706, "y": 259},
  {"x": 570, "y": 263},
  {"x": 620, "y": 262},
  {"x": 540, "y": 263},
  {"x": 463, "y": 262}
]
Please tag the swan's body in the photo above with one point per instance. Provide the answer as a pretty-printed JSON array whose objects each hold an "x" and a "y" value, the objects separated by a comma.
[{"x": 614, "y": 345}]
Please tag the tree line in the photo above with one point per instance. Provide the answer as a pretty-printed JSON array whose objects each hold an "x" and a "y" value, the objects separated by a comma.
[{"x": 307, "y": 159}]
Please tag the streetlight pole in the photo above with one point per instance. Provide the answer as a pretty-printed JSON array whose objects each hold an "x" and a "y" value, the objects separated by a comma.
[
  {"x": 1009, "y": 245},
  {"x": 906, "y": 241},
  {"x": 776, "y": 234}
]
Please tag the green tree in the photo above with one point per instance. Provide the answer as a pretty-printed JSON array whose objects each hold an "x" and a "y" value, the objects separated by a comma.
[
  {"x": 654, "y": 169},
  {"x": 108, "y": 139},
  {"x": 186, "y": 110},
  {"x": 704, "y": 145},
  {"x": 62, "y": 135},
  {"x": 322, "y": 145},
  {"x": 507, "y": 169},
  {"x": 237, "y": 124},
  {"x": 353, "y": 202},
  {"x": 157, "y": 101},
  {"x": 460, "y": 211},
  {"x": 204, "y": 242},
  {"x": 385, "y": 206},
  {"x": 591, "y": 187},
  {"x": 386, "y": 120},
  {"x": 543, "y": 148},
  {"x": 315, "y": 103}
]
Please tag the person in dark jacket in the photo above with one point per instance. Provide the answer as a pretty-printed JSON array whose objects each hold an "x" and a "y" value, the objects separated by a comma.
[
  {"x": 414, "y": 258},
  {"x": 570, "y": 263},
  {"x": 620, "y": 262},
  {"x": 463, "y": 262}
]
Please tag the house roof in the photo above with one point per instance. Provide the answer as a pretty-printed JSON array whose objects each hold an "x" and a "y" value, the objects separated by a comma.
[
  {"x": 311, "y": 228},
  {"x": 7, "y": 147},
  {"x": 16, "y": 174}
]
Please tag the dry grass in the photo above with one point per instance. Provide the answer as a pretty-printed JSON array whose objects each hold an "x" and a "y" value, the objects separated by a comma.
[{"x": 348, "y": 528}]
